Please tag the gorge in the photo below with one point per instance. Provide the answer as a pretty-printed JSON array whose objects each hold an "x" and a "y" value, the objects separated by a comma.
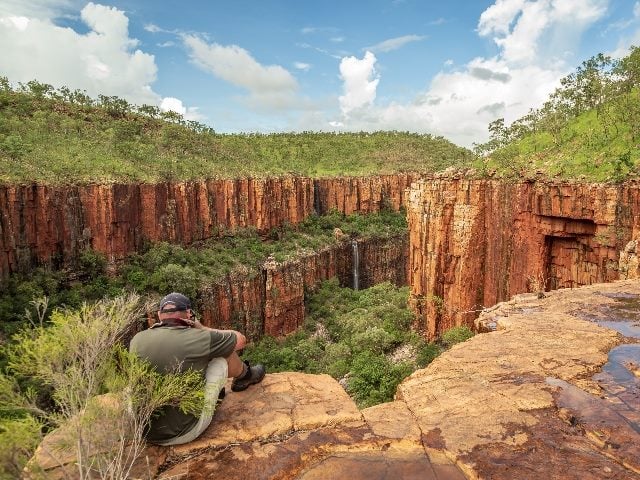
[{"x": 471, "y": 242}]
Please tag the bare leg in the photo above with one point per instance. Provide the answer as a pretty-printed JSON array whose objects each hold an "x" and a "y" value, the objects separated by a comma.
[{"x": 236, "y": 366}]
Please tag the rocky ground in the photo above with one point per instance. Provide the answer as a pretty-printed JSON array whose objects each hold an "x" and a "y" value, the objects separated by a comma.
[{"x": 529, "y": 400}]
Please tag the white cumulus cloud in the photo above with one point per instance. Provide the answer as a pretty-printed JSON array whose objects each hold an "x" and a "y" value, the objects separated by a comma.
[
  {"x": 533, "y": 38},
  {"x": 270, "y": 86},
  {"x": 176, "y": 105},
  {"x": 360, "y": 82},
  {"x": 104, "y": 60},
  {"x": 524, "y": 29}
]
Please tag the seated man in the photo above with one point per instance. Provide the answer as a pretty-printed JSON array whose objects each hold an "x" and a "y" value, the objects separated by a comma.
[{"x": 179, "y": 341}]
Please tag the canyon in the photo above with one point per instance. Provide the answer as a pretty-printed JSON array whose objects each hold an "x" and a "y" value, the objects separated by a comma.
[
  {"x": 271, "y": 301},
  {"x": 520, "y": 401},
  {"x": 471, "y": 242},
  {"x": 43, "y": 224}
]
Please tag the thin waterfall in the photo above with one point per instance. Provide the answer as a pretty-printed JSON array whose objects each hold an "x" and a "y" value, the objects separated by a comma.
[{"x": 356, "y": 265}]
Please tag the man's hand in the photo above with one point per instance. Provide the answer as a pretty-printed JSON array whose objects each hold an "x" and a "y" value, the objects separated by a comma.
[{"x": 195, "y": 323}]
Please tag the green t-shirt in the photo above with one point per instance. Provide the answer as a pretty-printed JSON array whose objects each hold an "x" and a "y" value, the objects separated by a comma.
[{"x": 171, "y": 349}]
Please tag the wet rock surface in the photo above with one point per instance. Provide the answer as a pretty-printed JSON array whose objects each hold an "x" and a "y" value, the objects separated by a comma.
[
  {"x": 525, "y": 401},
  {"x": 587, "y": 425}
]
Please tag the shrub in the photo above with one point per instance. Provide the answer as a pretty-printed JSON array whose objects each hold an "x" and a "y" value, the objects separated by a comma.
[
  {"x": 374, "y": 379},
  {"x": 19, "y": 438},
  {"x": 427, "y": 354},
  {"x": 175, "y": 278},
  {"x": 92, "y": 263},
  {"x": 456, "y": 335},
  {"x": 78, "y": 356},
  {"x": 14, "y": 146},
  {"x": 374, "y": 339},
  {"x": 336, "y": 360}
]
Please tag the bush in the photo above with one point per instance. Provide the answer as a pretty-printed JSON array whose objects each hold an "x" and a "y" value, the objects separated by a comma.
[
  {"x": 374, "y": 379},
  {"x": 92, "y": 263},
  {"x": 427, "y": 354},
  {"x": 456, "y": 335},
  {"x": 77, "y": 357},
  {"x": 336, "y": 360},
  {"x": 175, "y": 278},
  {"x": 19, "y": 438},
  {"x": 14, "y": 146},
  {"x": 374, "y": 339}
]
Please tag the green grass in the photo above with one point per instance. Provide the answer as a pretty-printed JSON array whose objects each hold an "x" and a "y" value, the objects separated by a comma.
[
  {"x": 589, "y": 129},
  {"x": 57, "y": 137},
  {"x": 585, "y": 148},
  {"x": 356, "y": 336}
]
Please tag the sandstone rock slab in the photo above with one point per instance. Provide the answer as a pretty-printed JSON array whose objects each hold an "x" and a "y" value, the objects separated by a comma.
[{"x": 280, "y": 404}]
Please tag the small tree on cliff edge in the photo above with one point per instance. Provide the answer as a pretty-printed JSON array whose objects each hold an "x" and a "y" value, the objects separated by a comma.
[{"x": 78, "y": 357}]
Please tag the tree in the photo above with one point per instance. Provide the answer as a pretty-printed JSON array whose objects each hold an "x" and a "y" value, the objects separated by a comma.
[{"x": 628, "y": 70}]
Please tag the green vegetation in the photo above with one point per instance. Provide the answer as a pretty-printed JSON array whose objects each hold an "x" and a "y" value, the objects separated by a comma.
[
  {"x": 62, "y": 136},
  {"x": 589, "y": 128},
  {"x": 456, "y": 335},
  {"x": 55, "y": 373},
  {"x": 363, "y": 337},
  {"x": 165, "y": 267}
]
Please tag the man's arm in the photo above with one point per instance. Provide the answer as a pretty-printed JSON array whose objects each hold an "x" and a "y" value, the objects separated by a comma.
[{"x": 241, "y": 340}]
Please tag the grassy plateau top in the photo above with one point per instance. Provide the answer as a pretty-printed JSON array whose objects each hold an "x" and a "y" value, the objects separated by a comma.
[{"x": 63, "y": 136}]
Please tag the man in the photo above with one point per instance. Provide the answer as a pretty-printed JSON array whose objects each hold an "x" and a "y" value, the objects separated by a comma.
[{"x": 178, "y": 342}]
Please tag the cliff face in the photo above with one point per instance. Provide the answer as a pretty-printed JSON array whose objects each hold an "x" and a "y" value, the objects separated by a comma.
[
  {"x": 361, "y": 194},
  {"x": 272, "y": 302},
  {"x": 474, "y": 243},
  {"x": 42, "y": 224}
]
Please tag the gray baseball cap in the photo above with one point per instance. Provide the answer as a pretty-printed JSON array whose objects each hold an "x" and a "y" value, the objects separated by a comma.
[{"x": 175, "y": 302}]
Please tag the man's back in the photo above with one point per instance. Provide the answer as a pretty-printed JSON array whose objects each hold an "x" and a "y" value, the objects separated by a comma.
[{"x": 169, "y": 347}]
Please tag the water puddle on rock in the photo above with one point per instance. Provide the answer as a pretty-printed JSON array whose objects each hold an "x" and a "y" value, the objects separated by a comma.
[
  {"x": 614, "y": 416},
  {"x": 623, "y": 315}
]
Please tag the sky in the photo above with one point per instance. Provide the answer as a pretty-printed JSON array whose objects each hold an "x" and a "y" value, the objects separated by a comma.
[{"x": 444, "y": 68}]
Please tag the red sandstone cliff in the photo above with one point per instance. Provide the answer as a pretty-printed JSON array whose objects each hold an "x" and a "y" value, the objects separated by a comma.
[
  {"x": 474, "y": 243},
  {"x": 271, "y": 302},
  {"x": 42, "y": 224}
]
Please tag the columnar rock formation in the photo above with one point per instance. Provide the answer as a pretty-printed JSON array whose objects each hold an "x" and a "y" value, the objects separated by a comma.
[
  {"x": 474, "y": 243},
  {"x": 41, "y": 224},
  {"x": 361, "y": 194},
  {"x": 272, "y": 301}
]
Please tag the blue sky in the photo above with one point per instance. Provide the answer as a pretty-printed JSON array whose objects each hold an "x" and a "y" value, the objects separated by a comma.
[{"x": 446, "y": 68}]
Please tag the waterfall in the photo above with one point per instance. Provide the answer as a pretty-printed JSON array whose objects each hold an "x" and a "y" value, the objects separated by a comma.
[
  {"x": 316, "y": 197},
  {"x": 356, "y": 265}
]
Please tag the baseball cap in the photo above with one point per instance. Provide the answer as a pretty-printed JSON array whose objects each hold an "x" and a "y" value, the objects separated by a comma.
[{"x": 179, "y": 301}]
